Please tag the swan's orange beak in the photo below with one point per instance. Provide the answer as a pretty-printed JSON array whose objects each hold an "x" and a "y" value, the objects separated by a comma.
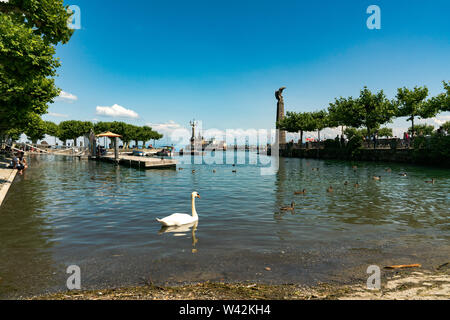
[{"x": 198, "y": 196}]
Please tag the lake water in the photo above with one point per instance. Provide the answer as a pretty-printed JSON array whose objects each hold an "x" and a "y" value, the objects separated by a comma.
[{"x": 65, "y": 211}]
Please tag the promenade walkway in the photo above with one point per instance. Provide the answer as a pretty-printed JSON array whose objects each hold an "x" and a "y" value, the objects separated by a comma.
[{"x": 6, "y": 178}]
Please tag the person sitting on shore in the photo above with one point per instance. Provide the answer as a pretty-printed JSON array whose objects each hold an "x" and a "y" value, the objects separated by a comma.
[
  {"x": 24, "y": 163},
  {"x": 20, "y": 163},
  {"x": 14, "y": 162}
]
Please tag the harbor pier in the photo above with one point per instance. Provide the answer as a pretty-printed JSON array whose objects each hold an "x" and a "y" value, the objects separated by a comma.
[{"x": 140, "y": 162}]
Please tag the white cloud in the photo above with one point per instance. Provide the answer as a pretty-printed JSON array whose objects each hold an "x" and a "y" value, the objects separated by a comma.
[
  {"x": 59, "y": 115},
  {"x": 166, "y": 128},
  {"x": 437, "y": 121},
  {"x": 116, "y": 111},
  {"x": 178, "y": 134},
  {"x": 66, "y": 97}
]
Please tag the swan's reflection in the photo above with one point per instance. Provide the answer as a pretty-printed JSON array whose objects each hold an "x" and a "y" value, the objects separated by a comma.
[{"x": 179, "y": 231}]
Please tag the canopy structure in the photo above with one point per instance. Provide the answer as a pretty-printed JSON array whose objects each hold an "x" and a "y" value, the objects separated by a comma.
[{"x": 109, "y": 134}]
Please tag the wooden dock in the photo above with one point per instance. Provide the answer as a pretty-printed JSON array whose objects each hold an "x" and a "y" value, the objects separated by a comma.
[{"x": 141, "y": 162}]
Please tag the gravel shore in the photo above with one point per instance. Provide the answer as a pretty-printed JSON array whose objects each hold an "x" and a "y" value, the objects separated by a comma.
[{"x": 400, "y": 285}]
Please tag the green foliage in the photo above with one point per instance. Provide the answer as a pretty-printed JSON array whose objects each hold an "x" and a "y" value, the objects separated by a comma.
[
  {"x": 368, "y": 110},
  {"x": 445, "y": 106},
  {"x": 446, "y": 126},
  {"x": 101, "y": 127},
  {"x": 385, "y": 132},
  {"x": 46, "y": 18},
  {"x": 35, "y": 129},
  {"x": 422, "y": 129},
  {"x": 432, "y": 150},
  {"x": 29, "y": 30},
  {"x": 351, "y": 132},
  {"x": 343, "y": 112},
  {"x": 332, "y": 144},
  {"x": 72, "y": 129},
  {"x": 319, "y": 120},
  {"x": 128, "y": 132},
  {"x": 297, "y": 121},
  {"x": 412, "y": 103},
  {"x": 439, "y": 103},
  {"x": 145, "y": 134},
  {"x": 51, "y": 128},
  {"x": 13, "y": 134},
  {"x": 355, "y": 140},
  {"x": 375, "y": 109}
]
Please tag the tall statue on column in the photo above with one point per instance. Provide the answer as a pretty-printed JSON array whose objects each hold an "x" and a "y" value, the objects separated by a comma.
[
  {"x": 193, "y": 125},
  {"x": 280, "y": 113}
]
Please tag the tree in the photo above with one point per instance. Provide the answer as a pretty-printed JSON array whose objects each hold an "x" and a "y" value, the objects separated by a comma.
[
  {"x": 369, "y": 110},
  {"x": 385, "y": 132},
  {"x": 29, "y": 32},
  {"x": 72, "y": 129},
  {"x": 446, "y": 126},
  {"x": 297, "y": 121},
  {"x": 439, "y": 103},
  {"x": 422, "y": 129},
  {"x": 13, "y": 134},
  {"x": 133, "y": 133},
  {"x": 35, "y": 129},
  {"x": 374, "y": 109},
  {"x": 412, "y": 103},
  {"x": 144, "y": 134},
  {"x": 48, "y": 19},
  {"x": 446, "y": 97},
  {"x": 319, "y": 121},
  {"x": 355, "y": 139},
  {"x": 101, "y": 127},
  {"x": 343, "y": 112},
  {"x": 351, "y": 132},
  {"x": 52, "y": 129}
]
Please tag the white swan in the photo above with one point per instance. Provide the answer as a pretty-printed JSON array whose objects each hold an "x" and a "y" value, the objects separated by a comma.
[{"x": 178, "y": 219}]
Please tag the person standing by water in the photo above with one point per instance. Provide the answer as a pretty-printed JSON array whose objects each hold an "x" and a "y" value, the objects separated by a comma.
[
  {"x": 375, "y": 136},
  {"x": 406, "y": 138}
]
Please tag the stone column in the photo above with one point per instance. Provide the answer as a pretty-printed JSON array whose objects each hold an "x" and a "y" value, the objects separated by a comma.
[
  {"x": 280, "y": 114},
  {"x": 116, "y": 149}
]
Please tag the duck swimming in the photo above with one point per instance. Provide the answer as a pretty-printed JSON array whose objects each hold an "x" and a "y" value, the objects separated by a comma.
[
  {"x": 291, "y": 208},
  {"x": 431, "y": 181},
  {"x": 300, "y": 192},
  {"x": 376, "y": 177},
  {"x": 330, "y": 189}
]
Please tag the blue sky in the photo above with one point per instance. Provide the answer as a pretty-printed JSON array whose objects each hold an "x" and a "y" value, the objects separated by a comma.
[{"x": 221, "y": 61}]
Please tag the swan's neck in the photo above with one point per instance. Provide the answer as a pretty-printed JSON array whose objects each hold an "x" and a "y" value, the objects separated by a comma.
[{"x": 194, "y": 212}]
